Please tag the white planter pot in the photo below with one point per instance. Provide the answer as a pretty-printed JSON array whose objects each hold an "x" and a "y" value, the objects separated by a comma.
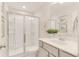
[{"x": 52, "y": 35}]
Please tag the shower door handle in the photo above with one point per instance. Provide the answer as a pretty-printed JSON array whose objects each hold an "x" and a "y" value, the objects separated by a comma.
[
  {"x": 24, "y": 38},
  {"x": 2, "y": 47}
]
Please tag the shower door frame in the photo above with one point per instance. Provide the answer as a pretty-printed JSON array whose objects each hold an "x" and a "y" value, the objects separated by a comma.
[{"x": 8, "y": 13}]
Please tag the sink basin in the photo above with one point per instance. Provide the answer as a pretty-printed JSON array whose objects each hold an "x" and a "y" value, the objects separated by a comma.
[
  {"x": 58, "y": 40},
  {"x": 64, "y": 40}
]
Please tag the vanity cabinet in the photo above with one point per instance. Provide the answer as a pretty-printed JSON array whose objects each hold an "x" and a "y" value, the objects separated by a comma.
[
  {"x": 48, "y": 50},
  {"x": 40, "y": 43},
  {"x": 50, "y": 55},
  {"x": 51, "y": 49},
  {"x": 64, "y": 54},
  {"x": 42, "y": 53}
]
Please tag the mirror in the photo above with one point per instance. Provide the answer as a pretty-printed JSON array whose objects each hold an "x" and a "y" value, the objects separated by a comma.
[
  {"x": 59, "y": 23},
  {"x": 63, "y": 23}
]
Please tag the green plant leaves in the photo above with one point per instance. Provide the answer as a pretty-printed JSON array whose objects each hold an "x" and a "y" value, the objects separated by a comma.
[{"x": 51, "y": 31}]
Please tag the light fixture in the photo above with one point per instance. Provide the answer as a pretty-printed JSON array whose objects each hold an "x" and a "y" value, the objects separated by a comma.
[{"x": 24, "y": 7}]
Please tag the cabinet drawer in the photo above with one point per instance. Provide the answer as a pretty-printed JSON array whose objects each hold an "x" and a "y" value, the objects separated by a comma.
[
  {"x": 40, "y": 43},
  {"x": 64, "y": 54},
  {"x": 51, "y": 49},
  {"x": 42, "y": 53},
  {"x": 50, "y": 55}
]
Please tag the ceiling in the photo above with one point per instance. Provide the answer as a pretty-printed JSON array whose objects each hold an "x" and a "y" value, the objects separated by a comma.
[
  {"x": 35, "y": 7},
  {"x": 29, "y": 6}
]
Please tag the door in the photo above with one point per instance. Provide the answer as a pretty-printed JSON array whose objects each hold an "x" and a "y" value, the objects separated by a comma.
[{"x": 31, "y": 33}]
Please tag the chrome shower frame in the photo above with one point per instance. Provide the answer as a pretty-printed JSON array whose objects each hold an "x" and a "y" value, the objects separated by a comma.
[{"x": 23, "y": 28}]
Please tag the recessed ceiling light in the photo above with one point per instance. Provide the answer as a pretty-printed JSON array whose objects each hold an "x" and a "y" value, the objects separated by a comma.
[{"x": 24, "y": 7}]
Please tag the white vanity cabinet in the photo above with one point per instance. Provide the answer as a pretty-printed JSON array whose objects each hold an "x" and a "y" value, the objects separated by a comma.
[
  {"x": 47, "y": 50},
  {"x": 50, "y": 55},
  {"x": 52, "y": 51},
  {"x": 40, "y": 43},
  {"x": 42, "y": 53},
  {"x": 64, "y": 54}
]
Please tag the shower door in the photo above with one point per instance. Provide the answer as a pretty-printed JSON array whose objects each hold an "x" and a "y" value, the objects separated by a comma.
[
  {"x": 31, "y": 32},
  {"x": 16, "y": 35},
  {"x": 23, "y": 34},
  {"x": 31, "y": 35}
]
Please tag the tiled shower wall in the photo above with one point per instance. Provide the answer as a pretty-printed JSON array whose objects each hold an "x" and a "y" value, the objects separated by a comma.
[{"x": 3, "y": 31}]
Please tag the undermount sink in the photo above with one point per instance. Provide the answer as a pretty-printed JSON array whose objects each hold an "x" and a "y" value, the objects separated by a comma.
[
  {"x": 58, "y": 40},
  {"x": 63, "y": 40}
]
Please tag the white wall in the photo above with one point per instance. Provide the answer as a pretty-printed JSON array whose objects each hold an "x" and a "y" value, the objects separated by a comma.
[{"x": 44, "y": 15}]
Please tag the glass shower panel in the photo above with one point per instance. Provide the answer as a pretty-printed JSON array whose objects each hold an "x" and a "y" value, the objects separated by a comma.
[
  {"x": 16, "y": 35},
  {"x": 27, "y": 32},
  {"x": 34, "y": 31},
  {"x": 31, "y": 32}
]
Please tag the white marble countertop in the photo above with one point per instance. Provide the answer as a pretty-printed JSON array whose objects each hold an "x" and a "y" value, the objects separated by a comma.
[{"x": 69, "y": 46}]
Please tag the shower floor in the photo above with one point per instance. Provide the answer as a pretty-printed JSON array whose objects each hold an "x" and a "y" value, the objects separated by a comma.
[
  {"x": 30, "y": 52},
  {"x": 27, "y": 54}
]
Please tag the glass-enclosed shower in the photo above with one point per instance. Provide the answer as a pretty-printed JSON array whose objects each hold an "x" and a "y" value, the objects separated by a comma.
[{"x": 23, "y": 34}]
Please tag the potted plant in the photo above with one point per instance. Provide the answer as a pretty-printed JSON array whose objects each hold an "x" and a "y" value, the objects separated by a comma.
[{"x": 52, "y": 31}]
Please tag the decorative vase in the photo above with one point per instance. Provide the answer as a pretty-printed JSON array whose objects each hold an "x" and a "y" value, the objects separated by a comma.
[{"x": 52, "y": 35}]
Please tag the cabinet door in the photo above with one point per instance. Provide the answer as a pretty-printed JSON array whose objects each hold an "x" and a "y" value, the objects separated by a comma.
[
  {"x": 40, "y": 43},
  {"x": 64, "y": 54},
  {"x": 50, "y": 55},
  {"x": 42, "y": 53},
  {"x": 51, "y": 49}
]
